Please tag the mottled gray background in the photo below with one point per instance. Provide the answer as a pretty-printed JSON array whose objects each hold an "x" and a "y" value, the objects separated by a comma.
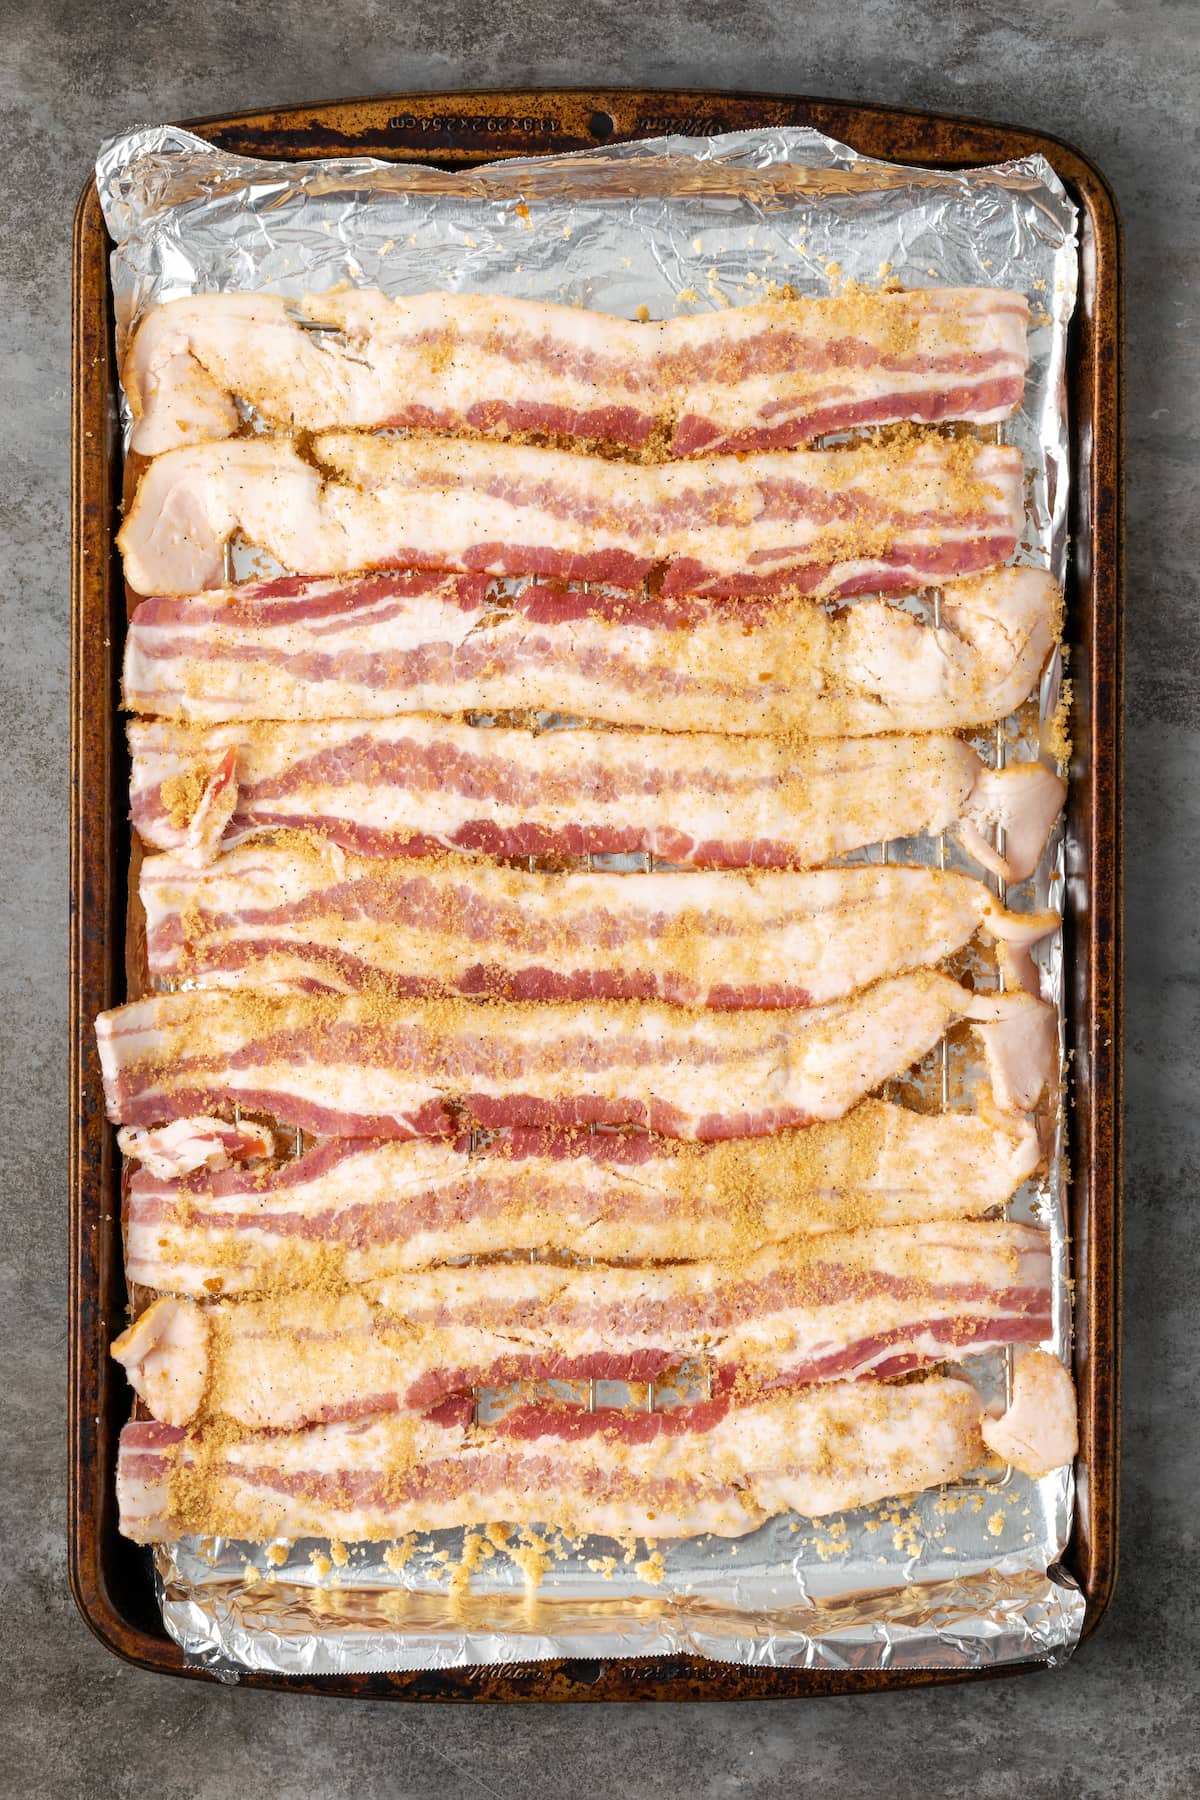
[{"x": 1118, "y": 78}]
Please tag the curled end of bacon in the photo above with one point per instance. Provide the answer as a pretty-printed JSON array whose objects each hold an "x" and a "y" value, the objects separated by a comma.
[
  {"x": 1019, "y": 1038},
  {"x": 216, "y": 806},
  {"x": 173, "y": 398},
  {"x": 169, "y": 1151},
  {"x": 189, "y": 504},
  {"x": 174, "y": 369},
  {"x": 1024, "y": 1148},
  {"x": 170, "y": 542},
  {"x": 1039, "y": 1431},
  {"x": 1014, "y": 935},
  {"x": 997, "y": 631},
  {"x": 1018, "y": 966},
  {"x": 165, "y": 1355},
  {"x": 1024, "y": 802}
]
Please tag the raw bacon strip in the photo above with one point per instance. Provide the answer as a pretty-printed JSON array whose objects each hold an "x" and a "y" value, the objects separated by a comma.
[
  {"x": 409, "y": 786},
  {"x": 358, "y": 1210},
  {"x": 304, "y": 916},
  {"x": 872, "y": 519},
  {"x": 748, "y": 378},
  {"x": 383, "y": 645},
  {"x": 369, "y": 1067},
  {"x": 812, "y": 1453},
  {"x": 828, "y": 1307}
]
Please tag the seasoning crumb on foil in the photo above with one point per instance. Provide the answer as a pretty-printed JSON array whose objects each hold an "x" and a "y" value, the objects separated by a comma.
[{"x": 610, "y": 233}]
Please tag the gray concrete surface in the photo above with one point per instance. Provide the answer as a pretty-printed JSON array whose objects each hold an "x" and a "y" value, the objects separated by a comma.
[{"x": 1119, "y": 78}]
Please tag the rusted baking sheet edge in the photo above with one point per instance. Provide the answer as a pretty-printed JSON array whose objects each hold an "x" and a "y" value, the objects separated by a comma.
[{"x": 110, "y": 1578}]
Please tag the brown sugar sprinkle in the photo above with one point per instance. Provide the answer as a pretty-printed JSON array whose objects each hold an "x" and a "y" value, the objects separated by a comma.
[
  {"x": 886, "y": 313},
  {"x": 651, "y": 1569},
  {"x": 305, "y": 1319},
  {"x": 835, "y": 1158},
  {"x": 1058, "y": 741},
  {"x": 880, "y": 465},
  {"x": 398, "y": 1555},
  {"x": 532, "y": 1552},
  {"x": 199, "y": 1501},
  {"x": 477, "y": 1549},
  {"x": 264, "y": 1013},
  {"x": 182, "y": 794},
  {"x": 196, "y": 1500}
]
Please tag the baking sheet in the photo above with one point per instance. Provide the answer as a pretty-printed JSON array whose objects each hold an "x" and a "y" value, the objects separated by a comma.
[{"x": 954, "y": 1578}]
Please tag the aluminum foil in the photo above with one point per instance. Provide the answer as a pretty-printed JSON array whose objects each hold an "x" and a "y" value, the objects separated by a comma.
[{"x": 960, "y": 1577}]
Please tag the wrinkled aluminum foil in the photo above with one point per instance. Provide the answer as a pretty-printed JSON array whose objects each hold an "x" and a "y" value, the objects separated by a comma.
[{"x": 962, "y": 1577}]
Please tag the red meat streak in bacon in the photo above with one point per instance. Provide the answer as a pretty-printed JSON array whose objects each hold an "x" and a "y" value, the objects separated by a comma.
[
  {"x": 778, "y": 351},
  {"x": 614, "y": 424},
  {"x": 1030, "y": 1323},
  {"x": 695, "y": 434},
  {"x": 543, "y": 603},
  {"x": 977, "y": 540}
]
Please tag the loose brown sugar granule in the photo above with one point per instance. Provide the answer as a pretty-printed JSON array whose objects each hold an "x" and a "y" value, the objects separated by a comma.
[
  {"x": 193, "y": 930},
  {"x": 532, "y": 1553},
  {"x": 195, "y": 1019},
  {"x": 477, "y": 1549},
  {"x": 498, "y": 1536},
  {"x": 288, "y": 1264},
  {"x": 1057, "y": 739},
  {"x": 832, "y": 1540},
  {"x": 906, "y": 1537},
  {"x": 397, "y": 1556}
]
